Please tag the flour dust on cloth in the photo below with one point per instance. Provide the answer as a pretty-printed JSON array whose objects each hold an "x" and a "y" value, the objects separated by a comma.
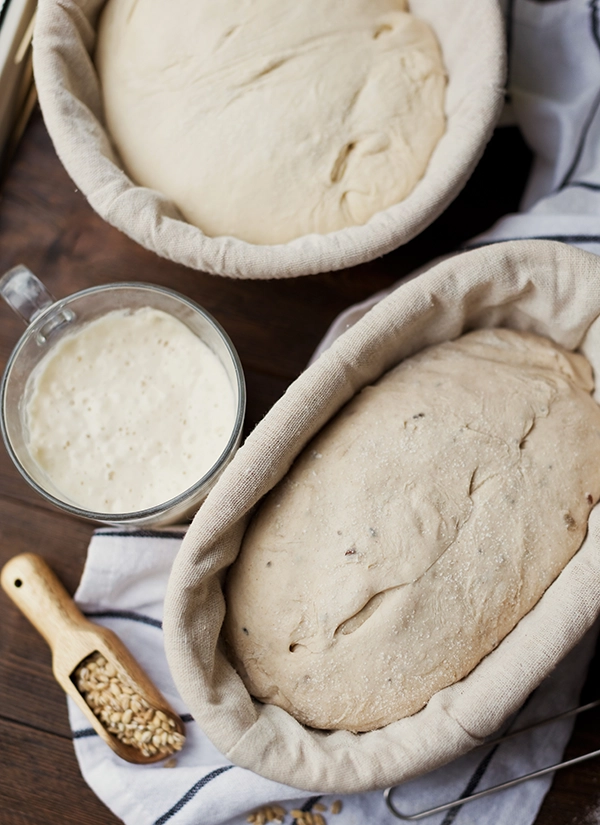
[{"x": 123, "y": 587}]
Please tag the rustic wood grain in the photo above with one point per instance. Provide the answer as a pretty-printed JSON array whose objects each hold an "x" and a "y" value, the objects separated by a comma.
[
  {"x": 39, "y": 594},
  {"x": 47, "y": 224},
  {"x": 40, "y": 781},
  {"x": 28, "y": 690},
  {"x": 574, "y": 798}
]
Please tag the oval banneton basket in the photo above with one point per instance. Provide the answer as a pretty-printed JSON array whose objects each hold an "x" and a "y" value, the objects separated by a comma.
[
  {"x": 472, "y": 39},
  {"x": 545, "y": 287}
]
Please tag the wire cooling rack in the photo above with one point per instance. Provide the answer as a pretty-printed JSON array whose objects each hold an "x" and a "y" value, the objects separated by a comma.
[{"x": 390, "y": 793}]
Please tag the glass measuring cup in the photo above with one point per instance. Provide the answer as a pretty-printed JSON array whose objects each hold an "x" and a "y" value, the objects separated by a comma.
[{"x": 48, "y": 321}]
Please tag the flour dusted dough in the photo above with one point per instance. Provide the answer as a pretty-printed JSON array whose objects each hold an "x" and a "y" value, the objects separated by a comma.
[
  {"x": 416, "y": 529},
  {"x": 272, "y": 119}
]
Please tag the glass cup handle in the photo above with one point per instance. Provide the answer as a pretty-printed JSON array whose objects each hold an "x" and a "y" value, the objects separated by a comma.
[{"x": 25, "y": 293}]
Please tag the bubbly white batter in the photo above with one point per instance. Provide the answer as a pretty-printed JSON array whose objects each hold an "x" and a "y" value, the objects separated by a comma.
[{"x": 128, "y": 411}]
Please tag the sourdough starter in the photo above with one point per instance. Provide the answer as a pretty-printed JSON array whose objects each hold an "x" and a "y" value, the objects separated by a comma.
[{"x": 128, "y": 411}]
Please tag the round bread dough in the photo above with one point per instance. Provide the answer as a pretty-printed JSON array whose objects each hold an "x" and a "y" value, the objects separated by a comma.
[
  {"x": 272, "y": 119},
  {"x": 418, "y": 527}
]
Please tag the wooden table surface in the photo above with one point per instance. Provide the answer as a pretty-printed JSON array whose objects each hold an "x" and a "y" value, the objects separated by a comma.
[{"x": 47, "y": 224}]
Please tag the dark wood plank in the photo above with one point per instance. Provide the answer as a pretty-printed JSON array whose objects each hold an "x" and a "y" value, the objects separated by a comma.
[
  {"x": 574, "y": 798},
  {"x": 263, "y": 391},
  {"x": 40, "y": 781},
  {"x": 30, "y": 694}
]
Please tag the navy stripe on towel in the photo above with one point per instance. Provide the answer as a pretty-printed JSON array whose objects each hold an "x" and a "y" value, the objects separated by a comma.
[
  {"x": 124, "y": 614},
  {"x": 482, "y": 767},
  {"x": 3, "y": 9},
  {"x": 562, "y": 238},
  {"x": 595, "y": 187},
  {"x": 585, "y": 132},
  {"x": 308, "y": 805},
  {"x": 471, "y": 785},
  {"x": 510, "y": 11},
  {"x": 595, "y": 108},
  {"x": 144, "y": 534},
  {"x": 84, "y": 733},
  {"x": 192, "y": 793},
  {"x": 595, "y": 22}
]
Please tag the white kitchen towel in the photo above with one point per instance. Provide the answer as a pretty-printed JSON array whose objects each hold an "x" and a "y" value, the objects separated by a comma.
[
  {"x": 554, "y": 97},
  {"x": 555, "y": 94},
  {"x": 123, "y": 586}
]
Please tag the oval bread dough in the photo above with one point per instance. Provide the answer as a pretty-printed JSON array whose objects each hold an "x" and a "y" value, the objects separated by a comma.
[
  {"x": 415, "y": 530},
  {"x": 272, "y": 119}
]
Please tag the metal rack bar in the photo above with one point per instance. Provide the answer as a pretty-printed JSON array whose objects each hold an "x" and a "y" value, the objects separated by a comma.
[{"x": 388, "y": 793}]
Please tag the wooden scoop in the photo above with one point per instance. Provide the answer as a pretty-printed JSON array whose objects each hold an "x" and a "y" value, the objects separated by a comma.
[{"x": 38, "y": 593}]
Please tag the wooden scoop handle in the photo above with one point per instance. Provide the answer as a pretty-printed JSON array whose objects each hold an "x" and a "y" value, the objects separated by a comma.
[{"x": 36, "y": 591}]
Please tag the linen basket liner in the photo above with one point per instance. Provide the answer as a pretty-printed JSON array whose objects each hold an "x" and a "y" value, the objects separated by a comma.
[
  {"x": 472, "y": 39},
  {"x": 541, "y": 286}
]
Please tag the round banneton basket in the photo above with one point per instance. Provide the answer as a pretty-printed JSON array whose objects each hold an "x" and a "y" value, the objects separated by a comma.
[
  {"x": 471, "y": 35},
  {"x": 547, "y": 288}
]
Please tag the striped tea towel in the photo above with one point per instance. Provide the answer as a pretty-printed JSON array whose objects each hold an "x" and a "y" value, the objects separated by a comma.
[
  {"x": 123, "y": 586},
  {"x": 555, "y": 98}
]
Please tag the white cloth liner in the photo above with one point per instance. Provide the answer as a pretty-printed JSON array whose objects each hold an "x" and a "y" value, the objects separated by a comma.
[
  {"x": 70, "y": 99},
  {"x": 123, "y": 586},
  {"x": 544, "y": 287},
  {"x": 130, "y": 573}
]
